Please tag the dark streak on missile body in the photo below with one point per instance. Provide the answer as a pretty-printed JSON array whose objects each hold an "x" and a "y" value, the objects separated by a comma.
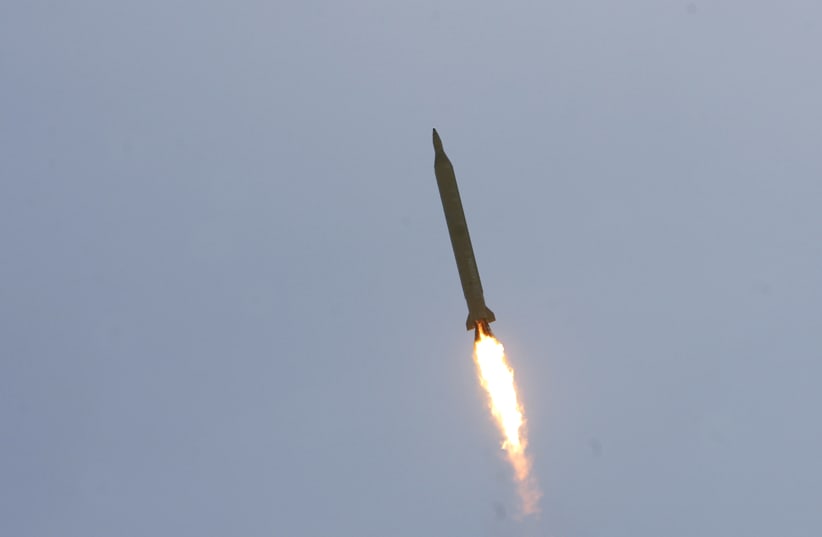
[{"x": 478, "y": 313}]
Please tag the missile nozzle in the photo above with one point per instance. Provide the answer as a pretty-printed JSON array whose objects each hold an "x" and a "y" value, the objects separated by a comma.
[{"x": 482, "y": 328}]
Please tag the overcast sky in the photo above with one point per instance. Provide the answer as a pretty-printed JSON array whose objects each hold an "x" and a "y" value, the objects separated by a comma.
[{"x": 229, "y": 307}]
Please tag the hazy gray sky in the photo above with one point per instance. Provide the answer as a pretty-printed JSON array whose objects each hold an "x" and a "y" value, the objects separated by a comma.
[{"x": 228, "y": 303}]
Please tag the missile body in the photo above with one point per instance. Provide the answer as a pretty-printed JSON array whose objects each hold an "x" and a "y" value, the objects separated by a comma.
[{"x": 478, "y": 313}]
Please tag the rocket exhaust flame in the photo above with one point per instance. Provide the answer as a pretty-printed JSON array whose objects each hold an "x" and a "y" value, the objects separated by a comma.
[{"x": 497, "y": 377}]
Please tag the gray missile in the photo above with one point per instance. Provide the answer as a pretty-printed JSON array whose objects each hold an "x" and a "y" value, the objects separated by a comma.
[{"x": 478, "y": 313}]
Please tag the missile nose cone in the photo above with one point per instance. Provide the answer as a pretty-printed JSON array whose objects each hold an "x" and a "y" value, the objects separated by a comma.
[{"x": 437, "y": 142}]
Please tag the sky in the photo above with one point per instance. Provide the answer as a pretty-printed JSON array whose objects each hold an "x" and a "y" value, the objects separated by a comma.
[{"x": 228, "y": 302}]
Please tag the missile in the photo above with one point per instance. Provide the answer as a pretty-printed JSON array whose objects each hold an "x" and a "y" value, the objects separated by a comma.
[{"x": 478, "y": 313}]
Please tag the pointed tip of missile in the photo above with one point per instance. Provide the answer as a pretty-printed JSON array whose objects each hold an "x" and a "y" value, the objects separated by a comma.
[{"x": 437, "y": 142}]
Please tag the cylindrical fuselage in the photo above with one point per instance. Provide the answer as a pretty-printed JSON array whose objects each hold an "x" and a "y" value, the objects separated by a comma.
[{"x": 460, "y": 238}]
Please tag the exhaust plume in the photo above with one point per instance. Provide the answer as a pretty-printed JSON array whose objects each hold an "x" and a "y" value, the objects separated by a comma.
[{"x": 497, "y": 377}]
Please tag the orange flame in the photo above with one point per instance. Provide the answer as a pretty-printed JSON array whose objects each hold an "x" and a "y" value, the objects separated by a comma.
[{"x": 497, "y": 377}]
